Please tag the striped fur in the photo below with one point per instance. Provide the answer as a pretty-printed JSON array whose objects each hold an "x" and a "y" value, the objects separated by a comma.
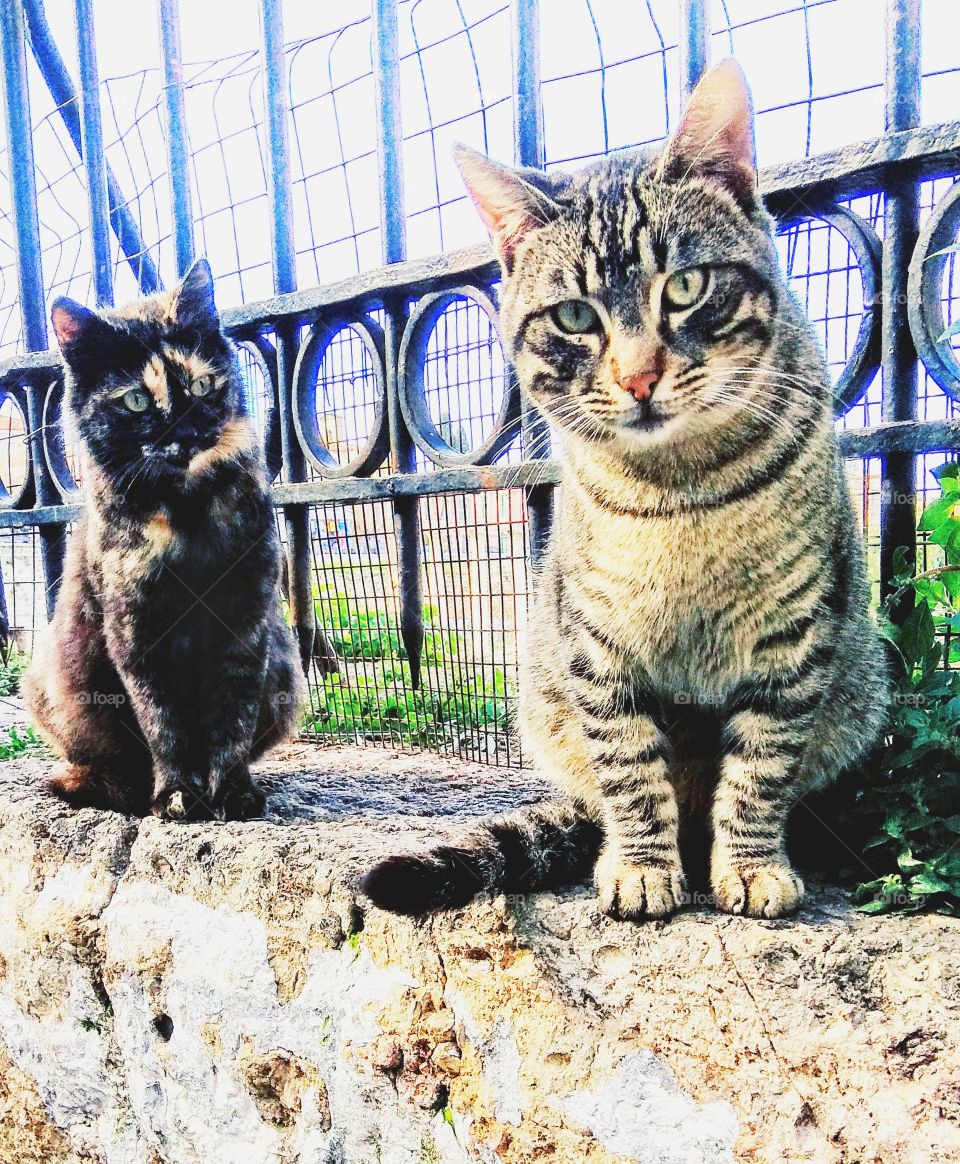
[{"x": 701, "y": 652}]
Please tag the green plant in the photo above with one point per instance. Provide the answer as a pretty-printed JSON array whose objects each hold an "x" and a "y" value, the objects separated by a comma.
[
  {"x": 914, "y": 804},
  {"x": 11, "y": 671},
  {"x": 372, "y": 696},
  {"x": 16, "y": 742}
]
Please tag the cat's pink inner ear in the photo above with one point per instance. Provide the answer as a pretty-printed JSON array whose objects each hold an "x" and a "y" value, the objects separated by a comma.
[
  {"x": 69, "y": 321},
  {"x": 509, "y": 206},
  {"x": 716, "y": 133}
]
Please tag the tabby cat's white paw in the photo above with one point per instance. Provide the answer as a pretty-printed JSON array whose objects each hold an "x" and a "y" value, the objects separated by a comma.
[
  {"x": 771, "y": 889},
  {"x": 630, "y": 891}
]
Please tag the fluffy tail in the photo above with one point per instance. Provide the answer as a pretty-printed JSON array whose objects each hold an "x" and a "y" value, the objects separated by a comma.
[{"x": 545, "y": 845}]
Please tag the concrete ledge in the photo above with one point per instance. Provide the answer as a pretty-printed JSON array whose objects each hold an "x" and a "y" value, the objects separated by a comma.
[{"x": 198, "y": 993}]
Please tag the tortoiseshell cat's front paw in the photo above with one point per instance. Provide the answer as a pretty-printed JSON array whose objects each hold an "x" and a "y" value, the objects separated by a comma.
[
  {"x": 242, "y": 801},
  {"x": 769, "y": 889},
  {"x": 630, "y": 891},
  {"x": 181, "y": 803}
]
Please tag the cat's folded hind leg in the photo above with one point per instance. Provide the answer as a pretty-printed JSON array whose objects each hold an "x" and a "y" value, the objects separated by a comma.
[
  {"x": 81, "y": 710},
  {"x": 119, "y": 789}
]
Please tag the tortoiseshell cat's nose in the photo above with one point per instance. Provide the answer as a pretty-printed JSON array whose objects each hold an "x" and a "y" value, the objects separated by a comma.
[{"x": 179, "y": 452}]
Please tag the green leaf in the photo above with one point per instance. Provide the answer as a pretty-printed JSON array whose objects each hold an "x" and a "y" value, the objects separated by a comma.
[
  {"x": 917, "y": 634},
  {"x": 939, "y": 511}
]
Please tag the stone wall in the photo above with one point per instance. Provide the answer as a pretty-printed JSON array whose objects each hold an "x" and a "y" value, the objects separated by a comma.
[{"x": 217, "y": 994}]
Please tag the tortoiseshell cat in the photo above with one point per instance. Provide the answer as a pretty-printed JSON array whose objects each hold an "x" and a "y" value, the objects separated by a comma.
[
  {"x": 167, "y": 666},
  {"x": 700, "y": 652}
]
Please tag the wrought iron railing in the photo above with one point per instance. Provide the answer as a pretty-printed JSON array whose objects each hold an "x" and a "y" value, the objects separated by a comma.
[{"x": 404, "y": 455}]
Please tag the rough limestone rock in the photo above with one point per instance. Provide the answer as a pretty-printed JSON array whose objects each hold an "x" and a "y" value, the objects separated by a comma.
[{"x": 218, "y": 994}]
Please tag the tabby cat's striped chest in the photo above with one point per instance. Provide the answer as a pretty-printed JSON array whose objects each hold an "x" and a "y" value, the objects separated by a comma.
[{"x": 685, "y": 598}]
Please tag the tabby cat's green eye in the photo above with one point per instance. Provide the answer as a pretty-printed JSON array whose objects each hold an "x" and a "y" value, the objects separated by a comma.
[
  {"x": 684, "y": 289},
  {"x": 137, "y": 400},
  {"x": 202, "y": 386},
  {"x": 575, "y": 316}
]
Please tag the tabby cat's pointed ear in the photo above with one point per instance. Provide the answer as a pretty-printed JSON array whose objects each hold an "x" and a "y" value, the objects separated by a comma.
[
  {"x": 715, "y": 135},
  {"x": 507, "y": 200},
  {"x": 81, "y": 333},
  {"x": 193, "y": 302}
]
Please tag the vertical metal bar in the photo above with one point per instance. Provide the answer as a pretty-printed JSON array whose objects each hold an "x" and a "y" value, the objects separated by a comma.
[
  {"x": 278, "y": 148},
  {"x": 899, "y": 357},
  {"x": 528, "y": 151},
  {"x": 54, "y": 72},
  {"x": 393, "y": 246},
  {"x": 694, "y": 43},
  {"x": 175, "y": 123},
  {"x": 26, "y": 224},
  {"x": 94, "y": 160},
  {"x": 386, "y": 95},
  {"x": 296, "y": 517}
]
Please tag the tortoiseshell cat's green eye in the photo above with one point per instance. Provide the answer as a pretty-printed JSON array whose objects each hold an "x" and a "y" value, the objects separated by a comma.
[
  {"x": 684, "y": 289},
  {"x": 202, "y": 386},
  {"x": 575, "y": 316},
  {"x": 137, "y": 400}
]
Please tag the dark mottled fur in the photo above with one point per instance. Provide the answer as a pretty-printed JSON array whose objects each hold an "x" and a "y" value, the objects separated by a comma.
[
  {"x": 701, "y": 653},
  {"x": 167, "y": 666}
]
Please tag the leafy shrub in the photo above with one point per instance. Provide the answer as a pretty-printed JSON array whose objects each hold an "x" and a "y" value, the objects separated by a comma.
[{"x": 914, "y": 804}]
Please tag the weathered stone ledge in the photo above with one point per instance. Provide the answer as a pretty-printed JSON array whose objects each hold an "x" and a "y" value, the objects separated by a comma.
[{"x": 187, "y": 994}]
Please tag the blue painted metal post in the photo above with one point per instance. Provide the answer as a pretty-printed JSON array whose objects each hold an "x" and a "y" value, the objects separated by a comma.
[
  {"x": 694, "y": 43},
  {"x": 94, "y": 160},
  {"x": 528, "y": 151},
  {"x": 898, "y": 513},
  {"x": 175, "y": 124},
  {"x": 393, "y": 246},
  {"x": 296, "y": 517},
  {"x": 54, "y": 72},
  {"x": 26, "y": 223}
]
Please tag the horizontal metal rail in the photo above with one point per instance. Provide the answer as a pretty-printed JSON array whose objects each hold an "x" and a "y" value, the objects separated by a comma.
[{"x": 915, "y": 436}]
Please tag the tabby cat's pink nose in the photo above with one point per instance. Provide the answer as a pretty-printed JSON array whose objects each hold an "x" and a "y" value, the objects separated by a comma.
[{"x": 641, "y": 384}]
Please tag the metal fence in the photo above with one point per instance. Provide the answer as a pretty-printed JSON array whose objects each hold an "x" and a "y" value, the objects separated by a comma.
[{"x": 413, "y": 488}]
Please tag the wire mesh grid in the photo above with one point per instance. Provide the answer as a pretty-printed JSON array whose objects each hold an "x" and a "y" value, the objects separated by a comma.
[
  {"x": 475, "y": 570},
  {"x": 23, "y": 583},
  {"x": 354, "y": 579},
  {"x": 475, "y": 574}
]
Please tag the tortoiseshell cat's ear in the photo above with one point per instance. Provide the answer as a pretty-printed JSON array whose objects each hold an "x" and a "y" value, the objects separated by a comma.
[
  {"x": 510, "y": 202},
  {"x": 715, "y": 135},
  {"x": 81, "y": 333},
  {"x": 192, "y": 299}
]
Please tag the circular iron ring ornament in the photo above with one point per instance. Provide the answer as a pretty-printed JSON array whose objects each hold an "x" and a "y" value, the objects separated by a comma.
[
  {"x": 24, "y": 496},
  {"x": 413, "y": 403},
  {"x": 924, "y": 293},
  {"x": 862, "y": 365},
  {"x": 305, "y": 375},
  {"x": 264, "y": 355},
  {"x": 54, "y": 443}
]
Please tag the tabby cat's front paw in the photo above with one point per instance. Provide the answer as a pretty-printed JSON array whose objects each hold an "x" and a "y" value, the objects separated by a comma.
[
  {"x": 770, "y": 889},
  {"x": 630, "y": 891}
]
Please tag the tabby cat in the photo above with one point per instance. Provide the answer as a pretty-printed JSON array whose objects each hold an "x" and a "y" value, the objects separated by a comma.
[
  {"x": 700, "y": 652},
  {"x": 167, "y": 666}
]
